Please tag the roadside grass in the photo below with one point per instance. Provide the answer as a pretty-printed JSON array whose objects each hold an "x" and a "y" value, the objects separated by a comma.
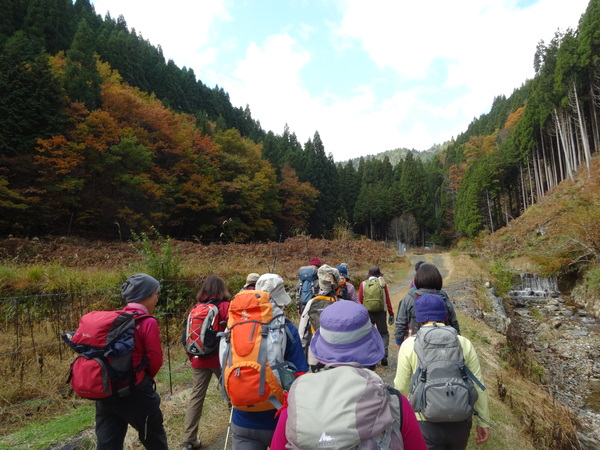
[
  {"x": 38, "y": 436},
  {"x": 524, "y": 414}
]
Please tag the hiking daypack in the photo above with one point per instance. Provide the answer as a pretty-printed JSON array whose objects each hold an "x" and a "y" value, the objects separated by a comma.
[
  {"x": 318, "y": 304},
  {"x": 309, "y": 284},
  {"x": 255, "y": 373},
  {"x": 442, "y": 388},
  {"x": 373, "y": 295},
  {"x": 104, "y": 341},
  {"x": 356, "y": 410},
  {"x": 200, "y": 334}
]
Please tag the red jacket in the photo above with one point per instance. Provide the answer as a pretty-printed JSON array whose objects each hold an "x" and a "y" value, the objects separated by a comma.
[
  {"x": 212, "y": 362},
  {"x": 147, "y": 343}
]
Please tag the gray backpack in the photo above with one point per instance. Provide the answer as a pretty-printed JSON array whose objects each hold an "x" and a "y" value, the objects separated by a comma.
[
  {"x": 357, "y": 410},
  {"x": 442, "y": 388}
]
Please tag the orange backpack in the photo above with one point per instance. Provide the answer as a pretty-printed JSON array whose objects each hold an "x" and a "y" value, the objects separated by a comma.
[{"x": 255, "y": 373}]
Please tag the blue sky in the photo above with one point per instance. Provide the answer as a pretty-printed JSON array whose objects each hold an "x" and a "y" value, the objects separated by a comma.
[{"x": 369, "y": 76}]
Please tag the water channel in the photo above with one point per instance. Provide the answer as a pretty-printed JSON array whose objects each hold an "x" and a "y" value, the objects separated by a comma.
[{"x": 572, "y": 360}]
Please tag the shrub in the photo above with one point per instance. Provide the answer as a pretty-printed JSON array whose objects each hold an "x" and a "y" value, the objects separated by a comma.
[
  {"x": 591, "y": 280},
  {"x": 504, "y": 277},
  {"x": 161, "y": 260}
]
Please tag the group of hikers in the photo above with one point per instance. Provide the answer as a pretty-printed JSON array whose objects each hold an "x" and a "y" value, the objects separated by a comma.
[{"x": 306, "y": 387}]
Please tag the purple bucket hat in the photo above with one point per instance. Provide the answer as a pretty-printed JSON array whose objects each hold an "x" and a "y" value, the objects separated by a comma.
[{"x": 347, "y": 335}]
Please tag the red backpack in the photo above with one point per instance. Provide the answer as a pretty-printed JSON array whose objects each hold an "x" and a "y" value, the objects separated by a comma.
[
  {"x": 200, "y": 337},
  {"x": 104, "y": 341}
]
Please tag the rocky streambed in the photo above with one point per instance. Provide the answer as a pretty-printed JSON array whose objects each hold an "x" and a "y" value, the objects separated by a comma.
[{"x": 565, "y": 340}]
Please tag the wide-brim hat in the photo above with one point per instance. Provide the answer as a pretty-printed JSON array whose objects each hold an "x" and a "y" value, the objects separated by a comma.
[
  {"x": 329, "y": 278},
  {"x": 346, "y": 335},
  {"x": 343, "y": 270},
  {"x": 374, "y": 272},
  {"x": 252, "y": 278},
  {"x": 273, "y": 284}
]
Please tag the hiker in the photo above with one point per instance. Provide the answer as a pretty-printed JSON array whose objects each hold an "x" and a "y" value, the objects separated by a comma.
[
  {"x": 346, "y": 403},
  {"x": 374, "y": 294},
  {"x": 428, "y": 280},
  {"x": 441, "y": 356},
  {"x": 346, "y": 290},
  {"x": 329, "y": 280},
  {"x": 214, "y": 292},
  {"x": 308, "y": 283},
  {"x": 253, "y": 429},
  {"x": 141, "y": 408},
  {"x": 251, "y": 280},
  {"x": 411, "y": 286}
]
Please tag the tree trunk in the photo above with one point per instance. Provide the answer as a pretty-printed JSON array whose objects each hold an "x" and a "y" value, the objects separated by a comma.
[
  {"x": 523, "y": 189},
  {"x": 530, "y": 182},
  {"x": 487, "y": 194},
  {"x": 582, "y": 127},
  {"x": 565, "y": 144}
]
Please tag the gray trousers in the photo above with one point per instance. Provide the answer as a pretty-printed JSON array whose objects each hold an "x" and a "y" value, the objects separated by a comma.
[
  {"x": 200, "y": 382},
  {"x": 250, "y": 439}
]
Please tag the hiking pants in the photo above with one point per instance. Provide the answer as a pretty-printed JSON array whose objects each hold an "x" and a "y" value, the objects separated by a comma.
[
  {"x": 379, "y": 319},
  {"x": 200, "y": 382},
  {"x": 446, "y": 435},
  {"x": 141, "y": 410},
  {"x": 250, "y": 439}
]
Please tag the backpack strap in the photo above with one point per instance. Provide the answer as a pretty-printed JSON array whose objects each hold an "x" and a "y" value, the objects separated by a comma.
[
  {"x": 475, "y": 413},
  {"x": 289, "y": 334},
  {"x": 262, "y": 358},
  {"x": 395, "y": 392},
  {"x": 468, "y": 374}
]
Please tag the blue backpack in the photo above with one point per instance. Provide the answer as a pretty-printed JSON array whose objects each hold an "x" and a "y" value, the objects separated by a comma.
[{"x": 309, "y": 284}]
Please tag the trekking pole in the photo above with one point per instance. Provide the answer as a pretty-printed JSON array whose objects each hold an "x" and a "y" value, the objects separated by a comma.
[
  {"x": 276, "y": 255},
  {"x": 167, "y": 330},
  {"x": 228, "y": 428}
]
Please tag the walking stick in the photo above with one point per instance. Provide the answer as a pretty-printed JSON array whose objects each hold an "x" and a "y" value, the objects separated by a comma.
[{"x": 228, "y": 428}]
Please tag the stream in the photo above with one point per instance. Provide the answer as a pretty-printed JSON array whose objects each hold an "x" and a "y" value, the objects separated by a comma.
[{"x": 565, "y": 340}]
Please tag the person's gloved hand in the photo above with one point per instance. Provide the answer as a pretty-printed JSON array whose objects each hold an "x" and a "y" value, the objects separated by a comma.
[{"x": 391, "y": 319}]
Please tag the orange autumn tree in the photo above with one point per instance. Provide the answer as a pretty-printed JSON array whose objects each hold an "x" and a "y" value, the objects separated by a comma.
[{"x": 132, "y": 161}]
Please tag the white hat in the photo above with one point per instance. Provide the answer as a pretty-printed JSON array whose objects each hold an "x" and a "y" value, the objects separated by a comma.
[
  {"x": 273, "y": 284},
  {"x": 329, "y": 278}
]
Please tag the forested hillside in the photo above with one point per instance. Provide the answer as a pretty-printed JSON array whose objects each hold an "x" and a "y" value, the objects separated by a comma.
[{"x": 100, "y": 135}]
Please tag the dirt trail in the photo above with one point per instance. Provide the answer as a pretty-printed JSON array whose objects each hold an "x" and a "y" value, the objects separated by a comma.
[{"x": 398, "y": 290}]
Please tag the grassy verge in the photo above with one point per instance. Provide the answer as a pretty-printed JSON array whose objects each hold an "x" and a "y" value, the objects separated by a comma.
[{"x": 74, "y": 427}]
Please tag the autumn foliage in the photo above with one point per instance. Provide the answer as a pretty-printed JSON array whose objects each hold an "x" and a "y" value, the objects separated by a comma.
[{"x": 136, "y": 163}]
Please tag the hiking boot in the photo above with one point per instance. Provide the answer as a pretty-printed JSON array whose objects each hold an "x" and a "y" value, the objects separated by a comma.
[
  {"x": 384, "y": 362},
  {"x": 191, "y": 445}
]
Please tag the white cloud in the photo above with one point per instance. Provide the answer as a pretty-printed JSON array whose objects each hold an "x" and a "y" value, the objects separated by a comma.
[
  {"x": 448, "y": 61},
  {"x": 183, "y": 28},
  {"x": 269, "y": 81}
]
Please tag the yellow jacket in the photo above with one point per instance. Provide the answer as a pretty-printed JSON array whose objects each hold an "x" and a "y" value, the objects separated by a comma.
[{"x": 408, "y": 364}]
